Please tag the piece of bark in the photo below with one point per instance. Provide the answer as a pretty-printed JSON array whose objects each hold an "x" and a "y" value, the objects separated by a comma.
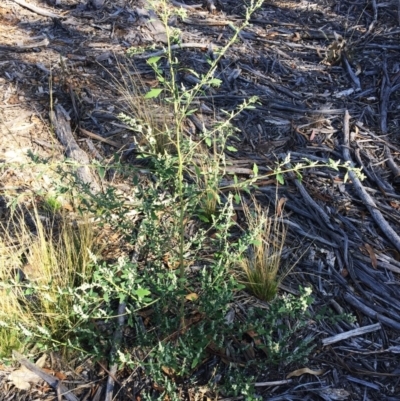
[
  {"x": 153, "y": 23},
  {"x": 50, "y": 379},
  {"x": 60, "y": 120}
]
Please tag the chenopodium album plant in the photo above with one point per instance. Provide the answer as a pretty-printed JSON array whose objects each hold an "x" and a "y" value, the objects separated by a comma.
[{"x": 189, "y": 309}]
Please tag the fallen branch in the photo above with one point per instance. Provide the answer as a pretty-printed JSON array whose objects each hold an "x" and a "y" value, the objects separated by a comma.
[
  {"x": 60, "y": 120},
  {"x": 363, "y": 194}
]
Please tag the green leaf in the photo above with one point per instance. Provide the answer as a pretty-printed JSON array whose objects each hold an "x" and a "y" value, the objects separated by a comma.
[
  {"x": 153, "y": 93},
  {"x": 231, "y": 148},
  {"x": 346, "y": 177},
  {"x": 204, "y": 218},
  {"x": 280, "y": 178},
  {"x": 142, "y": 292},
  {"x": 195, "y": 362},
  {"x": 101, "y": 171},
  {"x": 153, "y": 60},
  {"x": 215, "y": 82},
  {"x": 208, "y": 142},
  {"x": 255, "y": 170},
  {"x": 190, "y": 112},
  {"x": 197, "y": 170}
]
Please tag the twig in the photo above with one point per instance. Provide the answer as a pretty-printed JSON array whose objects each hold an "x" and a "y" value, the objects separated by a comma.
[
  {"x": 116, "y": 342},
  {"x": 398, "y": 12},
  {"x": 23, "y": 48},
  {"x": 376, "y": 137},
  {"x": 395, "y": 349},
  {"x": 386, "y": 89},
  {"x": 391, "y": 163},
  {"x": 356, "y": 303},
  {"x": 363, "y": 194},
  {"x": 50, "y": 379},
  {"x": 176, "y": 47},
  {"x": 99, "y": 138},
  {"x": 374, "y": 21},
  {"x": 275, "y": 383},
  {"x": 351, "y": 333},
  {"x": 187, "y": 6},
  {"x": 36, "y": 9},
  {"x": 203, "y": 22},
  {"x": 351, "y": 73}
]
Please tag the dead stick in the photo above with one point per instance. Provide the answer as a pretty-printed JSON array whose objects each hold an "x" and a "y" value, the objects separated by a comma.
[
  {"x": 116, "y": 343},
  {"x": 362, "y": 193},
  {"x": 187, "y": 6},
  {"x": 351, "y": 333},
  {"x": 275, "y": 383},
  {"x": 391, "y": 163},
  {"x": 36, "y": 9},
  {"x": 61, "y": 123},
  {"x": 99, "y": 138},
  {"x": 366, "y": 310},
  {"x": 177, "y": 47},
  {"x": 375, "y": 20},
  {"x": 50, "y": 379}
]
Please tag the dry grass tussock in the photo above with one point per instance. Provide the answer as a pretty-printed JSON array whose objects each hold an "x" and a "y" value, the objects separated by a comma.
[
  {"x": 151, "y": 119},
  {"x": 261, "y": 268},
  {"x": 42, "y": 255}
]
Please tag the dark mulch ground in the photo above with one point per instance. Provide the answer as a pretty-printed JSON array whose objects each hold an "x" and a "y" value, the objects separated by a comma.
[{"x": 327, "y": 74}]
